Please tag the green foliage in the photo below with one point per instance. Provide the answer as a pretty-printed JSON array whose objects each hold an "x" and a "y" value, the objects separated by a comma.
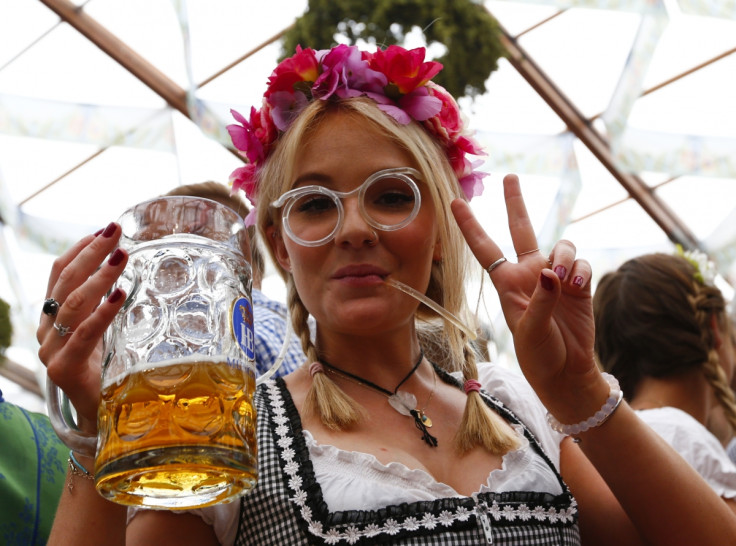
[
  {"x": 464, "y": 27},
  {"x": 6, "y": 326}
]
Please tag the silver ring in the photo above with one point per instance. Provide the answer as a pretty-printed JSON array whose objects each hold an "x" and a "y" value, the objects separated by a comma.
[
  {"x": 495, "y": 264},
  {"x": 50, "y": 307},
  {"x": 527, "y": 252},
  {"x": 63, "y": 330}
]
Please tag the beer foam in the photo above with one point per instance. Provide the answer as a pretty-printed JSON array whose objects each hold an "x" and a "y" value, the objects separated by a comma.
[{"x": 196, "y": 358}]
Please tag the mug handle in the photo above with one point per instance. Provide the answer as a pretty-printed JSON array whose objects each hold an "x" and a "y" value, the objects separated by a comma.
[
  {"x": 60, "y": 415},
  {"x": 282, "y": 354}
]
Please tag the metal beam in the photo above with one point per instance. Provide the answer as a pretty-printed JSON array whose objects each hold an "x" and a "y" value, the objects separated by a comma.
[
  {"x": 161, "y": 84},
  {"x": 665, "y": 218}
]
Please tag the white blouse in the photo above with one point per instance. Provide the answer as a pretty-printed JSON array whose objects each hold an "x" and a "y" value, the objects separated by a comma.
[
  {"x": 352, "y": 480},
  {"x": 697, "y": 445}
]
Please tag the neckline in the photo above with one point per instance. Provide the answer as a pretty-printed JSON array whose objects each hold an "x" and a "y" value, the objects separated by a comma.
[{"x": 455, "y": 513}]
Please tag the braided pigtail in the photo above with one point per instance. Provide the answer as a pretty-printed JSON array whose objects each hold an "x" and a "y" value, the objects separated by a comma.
[
  {"x": 480, "y": 425},
  {"x": 706, "y": 303},
  {"x": 724, "y": 394},
  {"x": 336, "y": 410}
]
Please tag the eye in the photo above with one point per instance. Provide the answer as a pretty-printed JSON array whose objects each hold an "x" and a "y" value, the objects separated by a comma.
[
  {"x": 313, "y": 203},
  {"x": 390, "y": 193}
]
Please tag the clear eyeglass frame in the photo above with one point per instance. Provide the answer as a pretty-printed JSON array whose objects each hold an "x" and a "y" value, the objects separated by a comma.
[{"x": 291, "y": 197}]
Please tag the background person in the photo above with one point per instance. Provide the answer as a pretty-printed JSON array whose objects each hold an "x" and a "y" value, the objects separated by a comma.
[{"x": 663, "y": 331}]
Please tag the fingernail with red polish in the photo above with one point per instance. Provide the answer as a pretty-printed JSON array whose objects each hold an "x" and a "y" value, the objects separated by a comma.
[
  {"x": 98, "y": 232},
  {"x": 116, "y": 257},
  {"x": 578, "y": 280},
  {"x": 109, "y": 230},
  {"x": 561, "y": 272},
  {"x": 115, "y": 295},
  {"x": 546, "y": 282}
]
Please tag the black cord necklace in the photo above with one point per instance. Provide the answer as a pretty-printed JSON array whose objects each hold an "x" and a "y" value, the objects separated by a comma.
[{"x": 403, "y": 402}]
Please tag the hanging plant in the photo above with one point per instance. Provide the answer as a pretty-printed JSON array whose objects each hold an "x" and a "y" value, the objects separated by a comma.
[
  {"x": 464, "y": 27},
  {"x": 6, "y": 326}
]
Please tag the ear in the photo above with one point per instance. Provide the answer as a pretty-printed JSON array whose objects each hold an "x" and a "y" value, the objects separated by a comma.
[
  {"x": 276, "y": 242},
  {"x": 437, "y": 252},
  {"x": 717, "y": 334}
]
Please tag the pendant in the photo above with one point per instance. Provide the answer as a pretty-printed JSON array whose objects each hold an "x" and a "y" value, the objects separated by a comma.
[
  {"x": 405, "y": 403},
  {"x": 426, "y": 421}
]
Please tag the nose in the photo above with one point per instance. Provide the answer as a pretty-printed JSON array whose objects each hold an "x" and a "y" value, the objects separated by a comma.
[{"x": 354, "y": 231}]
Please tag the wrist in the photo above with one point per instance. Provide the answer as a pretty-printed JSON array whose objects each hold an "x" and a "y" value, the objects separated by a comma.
[
  {"x": 611, "y": 404},
  {"x": 81, "y": 468}
]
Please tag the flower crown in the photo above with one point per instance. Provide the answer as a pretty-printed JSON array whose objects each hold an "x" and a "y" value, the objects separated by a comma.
[
  {"x": 705, "y": 269},
  {"x": 397, "y": 79}
]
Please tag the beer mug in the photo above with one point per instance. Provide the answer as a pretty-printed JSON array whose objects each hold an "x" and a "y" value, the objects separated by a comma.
[{"x": 176, "y": 422}]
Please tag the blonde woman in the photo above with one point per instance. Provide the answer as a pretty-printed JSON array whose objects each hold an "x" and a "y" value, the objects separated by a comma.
[{"x": 361, "y": 172}]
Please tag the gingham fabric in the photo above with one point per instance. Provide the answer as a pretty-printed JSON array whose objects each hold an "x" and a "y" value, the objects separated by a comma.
[
  {"x": 270, "y": 330},
  {"x": 286, "y": 506}
]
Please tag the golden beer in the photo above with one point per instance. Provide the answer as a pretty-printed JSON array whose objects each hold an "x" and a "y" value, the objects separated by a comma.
[{"x": 177, "y": 434}]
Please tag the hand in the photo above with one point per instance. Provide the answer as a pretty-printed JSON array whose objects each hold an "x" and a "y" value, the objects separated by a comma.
[
  {"x": 548, "y": 307},
  {"x": 78, "y": 282}
]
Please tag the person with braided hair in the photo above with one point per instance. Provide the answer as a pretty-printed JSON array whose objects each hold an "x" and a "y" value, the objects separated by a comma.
[
  {"x": 360, "y": 171},
  {"x": 663, "y": 331}
]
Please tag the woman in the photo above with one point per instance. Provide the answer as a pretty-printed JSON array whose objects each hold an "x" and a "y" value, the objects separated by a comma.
[
  {"x": 663, "y": 331},
  {"x": 358, "y": 166}
]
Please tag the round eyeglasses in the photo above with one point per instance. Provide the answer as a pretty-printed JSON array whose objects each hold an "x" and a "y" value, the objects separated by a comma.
[{"x": 388, "y": 200}]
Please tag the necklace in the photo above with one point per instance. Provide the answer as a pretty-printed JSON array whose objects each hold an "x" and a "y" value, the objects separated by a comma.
[{"x": 403, "y": 402}]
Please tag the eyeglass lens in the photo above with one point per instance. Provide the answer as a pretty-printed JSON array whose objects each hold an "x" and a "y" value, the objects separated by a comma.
[{"x": 386, "y": 202}]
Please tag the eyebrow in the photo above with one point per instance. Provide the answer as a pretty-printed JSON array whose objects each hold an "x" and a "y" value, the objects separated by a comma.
[{"x": 311, "y": 178}]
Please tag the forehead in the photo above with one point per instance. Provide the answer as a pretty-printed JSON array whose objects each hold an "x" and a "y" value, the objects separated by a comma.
[{"x": 346, "y": 144}]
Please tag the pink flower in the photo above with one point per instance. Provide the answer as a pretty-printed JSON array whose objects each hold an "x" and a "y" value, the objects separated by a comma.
[
  {"x": 448, "y": 123},
  {"x": 347, "y": 74},
  {"x": 244, "y": 178},
  {"x": 286, "y": 107},
  {"x": 404, "y": 68},
  {"x": 301, "y": 67},
  {"x": 472, "y": 183}
]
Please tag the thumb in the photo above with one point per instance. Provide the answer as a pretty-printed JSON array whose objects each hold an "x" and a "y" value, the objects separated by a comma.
[{"x": 535, "y": 326}]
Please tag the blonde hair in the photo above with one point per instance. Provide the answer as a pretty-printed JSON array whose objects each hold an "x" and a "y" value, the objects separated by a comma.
[{"x": 480, "y": 426}]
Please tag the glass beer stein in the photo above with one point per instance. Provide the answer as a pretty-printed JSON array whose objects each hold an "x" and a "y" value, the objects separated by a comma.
[{"x": 176, "y": 423}]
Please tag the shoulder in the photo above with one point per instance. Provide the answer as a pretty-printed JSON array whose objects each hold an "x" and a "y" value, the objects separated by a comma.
[{"x": 696, "y": 444}]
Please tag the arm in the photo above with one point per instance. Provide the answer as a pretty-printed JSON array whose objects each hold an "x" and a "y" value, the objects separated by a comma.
[
  {"x": 548, "y": 308},
  {"x": 84, "y": 517}
]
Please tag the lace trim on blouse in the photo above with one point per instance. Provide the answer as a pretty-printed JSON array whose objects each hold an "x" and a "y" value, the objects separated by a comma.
[{"x": 351, "y": 526}]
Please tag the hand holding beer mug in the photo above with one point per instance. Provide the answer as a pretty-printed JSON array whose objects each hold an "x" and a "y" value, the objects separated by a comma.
[{"x": 176, "y": 423}]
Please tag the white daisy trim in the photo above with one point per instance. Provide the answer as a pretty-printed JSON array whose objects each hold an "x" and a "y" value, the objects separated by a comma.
[{"x": 351, "y": 533}]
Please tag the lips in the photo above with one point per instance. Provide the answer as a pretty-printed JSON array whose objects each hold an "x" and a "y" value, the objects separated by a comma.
[{"x": 357, "y": 271}]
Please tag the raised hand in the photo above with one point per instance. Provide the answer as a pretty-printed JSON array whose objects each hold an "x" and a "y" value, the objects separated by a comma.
[
  {"x": 71, "y": 341},
  {"x": 547, "y": 305}
]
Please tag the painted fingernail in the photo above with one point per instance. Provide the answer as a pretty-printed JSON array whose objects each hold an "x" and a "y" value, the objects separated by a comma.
[
  {"x": 98, "y": 232},
  {"x": 561, "y": 272},
  {"x": 546, "y": 282},
  {"x": 578, "y": 280},
  {"x": 116, "y": 257},
  {"x": 109, "y": 230},
  {"x": 115, "y": 295}
]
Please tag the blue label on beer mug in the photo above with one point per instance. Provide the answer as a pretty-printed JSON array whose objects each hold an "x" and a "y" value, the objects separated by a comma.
[{"x": 243, "y": 327}]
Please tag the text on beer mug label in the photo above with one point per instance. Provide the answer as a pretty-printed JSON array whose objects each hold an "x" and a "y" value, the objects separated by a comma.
[{"x": 242, "y": 325}]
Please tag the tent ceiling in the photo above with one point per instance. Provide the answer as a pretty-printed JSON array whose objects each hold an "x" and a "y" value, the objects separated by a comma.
[{"x": 617, "y": 114}]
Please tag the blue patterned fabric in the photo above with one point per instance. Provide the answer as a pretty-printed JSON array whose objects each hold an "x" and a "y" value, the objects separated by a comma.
[
  {"x": 270, "y": 330},
  {"x": 32, "y": 472}
]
